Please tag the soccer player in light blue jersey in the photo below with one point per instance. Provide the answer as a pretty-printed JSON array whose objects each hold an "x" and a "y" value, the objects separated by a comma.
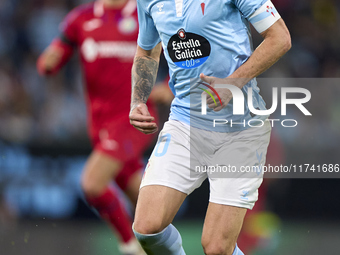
[{"x": 206, "y": 43}]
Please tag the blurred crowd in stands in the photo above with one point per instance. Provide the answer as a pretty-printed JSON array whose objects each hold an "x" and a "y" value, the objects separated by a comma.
[{"x": 30, "y": 115}]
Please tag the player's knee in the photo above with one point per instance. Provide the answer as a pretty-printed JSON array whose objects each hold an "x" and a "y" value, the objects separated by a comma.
[
  {"x": 90, "y": 187},
  {"x": 217, "y": 247},
  {"x": 148, "y": 227}
]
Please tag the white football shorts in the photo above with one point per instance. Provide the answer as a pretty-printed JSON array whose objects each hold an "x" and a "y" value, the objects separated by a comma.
[{"x": 185, "y": 156}]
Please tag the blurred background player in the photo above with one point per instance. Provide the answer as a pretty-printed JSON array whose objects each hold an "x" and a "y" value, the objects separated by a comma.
[{"x": 105, "y": 32}]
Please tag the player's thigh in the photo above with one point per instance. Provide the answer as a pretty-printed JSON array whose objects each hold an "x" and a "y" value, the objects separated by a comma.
[
  {"x": 156, "y": 208},
  {"x": 132, "y": 187},
  {"x": 237, "y": 181},
  {"x": 221, "y": 228},
  {"x": 167, "y": 180},
  {"x": 171, "y": 161},
  {"x": 99, "y": 170}
]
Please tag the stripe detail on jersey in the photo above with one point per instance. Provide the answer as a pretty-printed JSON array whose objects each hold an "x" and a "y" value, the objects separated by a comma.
[
  {"x": 179, "y": 8},
  {"x": 264, "y": 17}
]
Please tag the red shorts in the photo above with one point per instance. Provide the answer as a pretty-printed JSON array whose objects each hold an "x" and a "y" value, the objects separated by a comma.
[{"x": 121, "y": 141}]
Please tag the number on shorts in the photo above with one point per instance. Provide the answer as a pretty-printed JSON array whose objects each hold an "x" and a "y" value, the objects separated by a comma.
[{"x": 163, "y": 139}]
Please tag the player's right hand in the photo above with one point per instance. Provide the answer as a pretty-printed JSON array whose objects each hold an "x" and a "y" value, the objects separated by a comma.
[
  {"x": 49, "y": 60},
  {"x": 141, "y": 119}
]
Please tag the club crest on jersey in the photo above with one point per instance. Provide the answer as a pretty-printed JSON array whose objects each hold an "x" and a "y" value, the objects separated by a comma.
[
  {"x": 127, "y": 25},
  {"x": 181, "y": 34},
  {"x": 188, "y": 50}
]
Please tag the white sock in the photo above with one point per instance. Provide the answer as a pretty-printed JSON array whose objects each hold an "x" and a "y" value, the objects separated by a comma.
[{"x": 167, "y": 242}]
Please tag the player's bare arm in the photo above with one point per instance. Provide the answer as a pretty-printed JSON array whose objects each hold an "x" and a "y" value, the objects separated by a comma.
[
  {"x": 49, "y": 59},
  {"x": 276, "y": 43},
  {"x": 144, "y": 73},
  {"x": 54, "y": 57}
]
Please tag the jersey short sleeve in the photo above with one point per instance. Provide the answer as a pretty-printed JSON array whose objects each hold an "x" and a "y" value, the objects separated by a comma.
[
  {"x": 69, "y": 28},
  {"x": 262, "y": 14},
  {"x": 148, "y": 36}
]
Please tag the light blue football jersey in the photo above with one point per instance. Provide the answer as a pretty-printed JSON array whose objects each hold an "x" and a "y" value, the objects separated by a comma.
[{"x": 201, "y": 36}]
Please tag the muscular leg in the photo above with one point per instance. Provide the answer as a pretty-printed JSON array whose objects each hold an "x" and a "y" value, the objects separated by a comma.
[
  {"x": 132, "y": 189},
  {"x": 222, "y": 226},
  {"x": 98, "y": 173},
  {"x": 156, "y": 208}
]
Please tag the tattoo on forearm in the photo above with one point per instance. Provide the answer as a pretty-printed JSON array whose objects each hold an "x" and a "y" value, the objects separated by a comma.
[{"x": 144, "y": 72}]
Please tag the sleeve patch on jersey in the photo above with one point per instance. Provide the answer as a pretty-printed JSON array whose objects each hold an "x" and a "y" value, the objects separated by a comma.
[{"x": 264, "y": 17}]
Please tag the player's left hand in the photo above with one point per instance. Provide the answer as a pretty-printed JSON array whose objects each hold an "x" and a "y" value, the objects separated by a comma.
[
  {"x": 141, "y": 119},
  {"x": 225, "y": 94}
]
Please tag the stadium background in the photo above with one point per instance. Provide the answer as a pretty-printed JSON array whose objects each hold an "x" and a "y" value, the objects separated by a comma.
[{"x": 43, "y": 142}]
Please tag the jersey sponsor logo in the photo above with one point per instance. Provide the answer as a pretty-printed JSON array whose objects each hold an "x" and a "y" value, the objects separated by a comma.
[
  {"x": 127, "y": 25},
  {"x": 188, "y": 50},
  {"x": 92, "y": 24},
  {"x": 92, "y": 50}
]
